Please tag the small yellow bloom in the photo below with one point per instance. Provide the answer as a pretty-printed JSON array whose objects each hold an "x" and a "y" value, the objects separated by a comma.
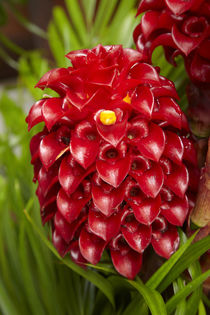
[
  {"x": 108, "y": 117},
  {"x": 127, "y": 99}
]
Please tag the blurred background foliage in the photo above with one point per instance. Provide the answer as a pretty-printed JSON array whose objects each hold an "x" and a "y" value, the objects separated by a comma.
[{"x": 33, "y": 278}]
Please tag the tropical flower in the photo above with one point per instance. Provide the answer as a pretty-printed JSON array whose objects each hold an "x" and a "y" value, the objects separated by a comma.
[
  {"x": 115, "y": 162},
  {"x": 181, "y": 27}
]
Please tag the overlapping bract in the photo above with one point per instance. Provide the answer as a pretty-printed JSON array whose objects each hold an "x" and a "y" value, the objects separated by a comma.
[
  {"x": 181, "y": 27},
  {"x": 118, "y": 186}
]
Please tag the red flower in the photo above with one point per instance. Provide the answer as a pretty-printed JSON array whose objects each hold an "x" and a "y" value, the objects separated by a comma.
[
  {"x": 182, "y": 27},
  {"x": 111, "y": 163}
]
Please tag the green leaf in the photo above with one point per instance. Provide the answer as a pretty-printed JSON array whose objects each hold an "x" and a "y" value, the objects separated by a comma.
[
  {"x": 89, "y": 297},
  {"x": 31, "y": 68},
  {"x": 56, "y": 45},
  {"x": 99, "y": 281},
  {"x": 6, "y": 304},
  {"x": 27, "y": 275},
  {"x": 137, "y": 306},
  {"x": 12, "y": 46},
  {"x": 103, "y": 267},
  {"x": 11, "y": 62},
  {"x": 201, "y": 309},
  {"x": 102, "y": 19},
  {"x": 33, "y": 28},
  {"x": 183, "y": 293},
  {"x": 165, "y": 269},
  {"x": 67, "y": 35},
  {"x": 152, "y": 298},
  {"x": 3, "y": 16},
  {"x": 193, "y": 301},
  {"x": 122, "y": 10},
  {"x": 177, "y": 286},
  {"x": 191, "y": 255},
  {"x": 77, "y": 19},
  {"x": 13, "y": 115},
  {"x": 124, "y": 16},
  {"x": 206, "y": 300},
  {"x": 89, "y": 8}
]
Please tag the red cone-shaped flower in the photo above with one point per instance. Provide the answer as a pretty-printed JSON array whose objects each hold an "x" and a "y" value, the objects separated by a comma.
[
  {"x": 114, "y": 159},
  {"x": 181, "y": 27}
]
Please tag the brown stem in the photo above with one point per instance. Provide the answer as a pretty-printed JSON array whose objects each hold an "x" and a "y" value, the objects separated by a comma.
[{"x": 201, "y": 212}]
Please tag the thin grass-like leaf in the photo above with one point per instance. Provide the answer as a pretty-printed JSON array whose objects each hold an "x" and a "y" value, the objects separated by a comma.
[
  {"x": 201, "y": 309},
  {"x": 122, "y": 10},
  {"x": 206, "y": 300},
  {"x": 152, "y": 298},
  {"x": 103, "y": 267},
  {"x": 136, "y": 306},
  {"x": 11, "y": 45},
  {"x": 95, "y": 278},
  {"x": 165, "y": 269},
  {"x": 191, "y": 255},
  {"x": 77, "y": 19},
  {"x": 31, "y": 69},
  {"x": 11, "y": 62},
  {"x": 6, "y": 304},
  {"x": 33, "y": 28},
  {"x": 89, "y": 9},
  {"x": 68, "y": 36},
  {"x": 177, "y": 286},
  {"x": 187, "y": 290},
  {"x": 101, "y": 18},
  {"x": 56, "y": 45},
  {"x": 27, "y": 275},
  {"x": 13, "y": 115}
]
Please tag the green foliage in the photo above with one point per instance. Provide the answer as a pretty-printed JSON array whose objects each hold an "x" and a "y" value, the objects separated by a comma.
[
  {"x": 33, "y": 278},
  {"x": 3, "y": 14}
]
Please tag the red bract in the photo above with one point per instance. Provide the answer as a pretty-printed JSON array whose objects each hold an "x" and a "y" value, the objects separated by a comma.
[
  {"x": 112, "y": 162},
  {"x": 181, "y": 27}
]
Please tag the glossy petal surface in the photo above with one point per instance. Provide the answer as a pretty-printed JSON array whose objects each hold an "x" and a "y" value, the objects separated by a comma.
[
  {"x": 91, "y": 246},
  {"x": 165, "y": 243},
  {"x": 115, "y": 162}
]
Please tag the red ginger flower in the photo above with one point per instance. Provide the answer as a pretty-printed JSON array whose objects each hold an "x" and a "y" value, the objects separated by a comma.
[
  {"x": 181, "y": 27},
  {"x": 115, "y": 164}
]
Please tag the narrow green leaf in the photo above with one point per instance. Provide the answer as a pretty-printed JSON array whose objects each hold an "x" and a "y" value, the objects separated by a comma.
[
  {"x": 122, "y": 11},
  {"x": 101, "y": 18},
  {"x": 6, "y": 304},
  {"x": 11, "y": 45},
  {"x": 89, "y": 298},
  {"x": 93, "y": 277},
  {"x": 13, "y": 115},
  {"x": 3, "y": 15},
  {"x": 56, "y": 45},
  {"x": 137, "y": 306},
  {"x": 28, "y": 275},
  {"x": 206, "y": 300},
  {"x": 89, "y": 8},
  {"x": 11, "y": 62},
  {"x": 201, "y": 309},
  {"x": 47, "y": 278},
  {"x": 183, "y": 293},
  {"x": 165, "y": 269},
  {"x": 177, "y": 286},
  {"x": 191, "y": 255},
  {"x": 33, "y": 28},
  {"x": 152, "y": 298},
  {"x": 193, "y": 301},
  {"x": 103, "y": 267},
  {"x": 99, "y": 281},
  {"x": 77, "y": 19},
  {"x": 31, "y": 69},
  {"x": 69, "y": 38}
]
